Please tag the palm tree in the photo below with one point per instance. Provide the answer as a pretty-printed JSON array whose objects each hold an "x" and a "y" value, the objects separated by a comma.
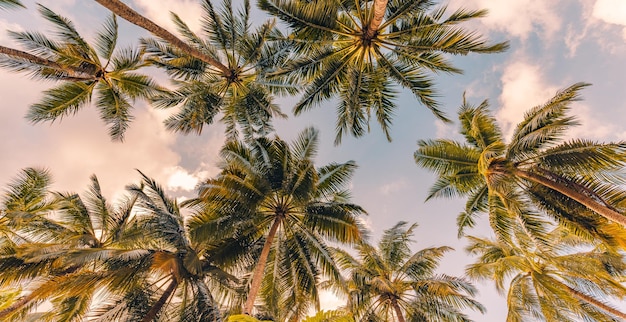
[
  {"x": 357, "y": 50},
  {"x": 391, "y": 283},
  {"x": 271, "y": 192},
  {"x": 135, "y": 257},
  {"x": 575, "y": 182},
  {"x": 80, "y": 68},
  {"x": 222, "y": 72},
  {"x": 561, "y": 283}
]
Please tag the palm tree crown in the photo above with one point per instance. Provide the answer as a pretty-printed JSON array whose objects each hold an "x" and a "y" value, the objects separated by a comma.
[
  {"x": 241, "y": 92},
  {"x": 391, "y": 283},
  {"x": 136, "y": 259},
  {"x": 271, "y": 191},
  {"x": 82, "y": 69},
  {"x": 575, "y": 182},
  {"x": 562, "y": 283},
  {"x": 357, "y": 50}
]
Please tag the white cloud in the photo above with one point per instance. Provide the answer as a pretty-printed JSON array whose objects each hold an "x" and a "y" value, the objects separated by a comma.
[
  {"x": 180, "y": 179},
  {"x": 612, "y": 12},
  {"x": 523, "y": 87},
  {"x": 519, "y": 18}
]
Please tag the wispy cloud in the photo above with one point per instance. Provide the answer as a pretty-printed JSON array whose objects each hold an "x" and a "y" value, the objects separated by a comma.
[{"x": 160, "y": 11}]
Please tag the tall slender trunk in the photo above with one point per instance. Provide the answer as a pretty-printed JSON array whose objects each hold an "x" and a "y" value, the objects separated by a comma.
[
  {"x": 398, "y": 310},
  {"x": 257, "y": 275},
  {"x": 135, "y": 18},
  {"x": 154, "y": 310},
  {"x": 578, "y": 196},
  {"x": 586, "y": 298},
  {"x": 72, "y": 72},
  {"x": 379, "y": 8},
  {"x": 17, "y": 305}
]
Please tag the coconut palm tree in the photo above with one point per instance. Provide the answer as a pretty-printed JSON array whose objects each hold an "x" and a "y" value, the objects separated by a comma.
[
  {"x": 133, "y": 258},
  {"x": 576, "y": 182},
  {"x": 358, "y": 51},
  {"x": 271, "y": 191},
  {"x": 561, "y": 283},
  {"x": 82, "y": 69},
  {"x": 222, "y": 71},
  {"x": 391, "y": 283}
]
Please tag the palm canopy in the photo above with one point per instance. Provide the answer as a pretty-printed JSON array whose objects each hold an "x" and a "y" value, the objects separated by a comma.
[
  {"x": 82, "y": 69},
  {"x": 562, "y": 283},
  {"x": 391, "y": 283},
  {"x": 133, "y": 257},
  {"x": 358, "y": 51},
  {"x": 270, "y": 193},
  {"x": 575, "y": 182},
  {"x": 241, "y": 93}
]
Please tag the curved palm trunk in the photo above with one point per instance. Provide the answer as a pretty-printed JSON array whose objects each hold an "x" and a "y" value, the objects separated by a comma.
[
  {"x": 586, "y": 298},
  {"x": 135, "y": 18},
  {"x": 17, "y": 305},
  {"x": 398, "y": 310},
  {"x": 578, "y": 196},
  {"x": 379, "y": 9},
  {"x": 154, "y": 310},
  {"x": 257, "y": 276},
  {"x": 77, "y": 74}
]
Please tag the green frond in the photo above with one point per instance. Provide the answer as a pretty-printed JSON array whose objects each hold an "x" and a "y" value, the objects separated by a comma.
[
  {"x": 446, "y": 157},
  {"x": 67, "y": 32},
  {"x": 10, "y": 4},
  {"x": 28, "y": 191},
  {"x": 317, "y": 19},
  {"x": 63, "y": 100},
  {"x": 478, "y": 125},
  {"x": 414, "y": 79},
  {"x": 545, "y": 124},
  {"x": 114, "y": 110},
  {"x": 107, "y": 38}
]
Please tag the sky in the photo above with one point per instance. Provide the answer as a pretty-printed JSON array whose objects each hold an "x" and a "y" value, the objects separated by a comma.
[{"x": 553, "y": 45}]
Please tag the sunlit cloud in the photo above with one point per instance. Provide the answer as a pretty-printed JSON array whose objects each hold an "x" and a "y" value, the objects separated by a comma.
[
  {"x": 523, "y": 87},
  {"x": 612, "y": 12},
  {"x": 518, "y": 18}
]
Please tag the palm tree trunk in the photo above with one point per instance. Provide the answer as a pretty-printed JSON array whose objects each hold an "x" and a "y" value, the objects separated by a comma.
[
  {"x": 257, "y": 275},
  {"x": 586, "y": 298},
  {"x": 379, "y": 8},
  {"x": 154, "y": 310},
  {"x": 398, "y": 310},
  {"x": 77, "y": 74},
  {"x": 17, "y": 305},
  {"x": 578, "y": 196},
  {"x": 135, "y": 18}
]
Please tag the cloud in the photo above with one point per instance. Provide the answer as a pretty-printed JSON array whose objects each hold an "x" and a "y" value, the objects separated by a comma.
[
  {"x": 179, "y": 178},
  {"x": 523, "y": 87},
  {"x": 159, "y": 11},
  {"x": 612, "y": 12},
  {"x": 518, "y": 18},
  {"x": 78, "y": 146}
]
